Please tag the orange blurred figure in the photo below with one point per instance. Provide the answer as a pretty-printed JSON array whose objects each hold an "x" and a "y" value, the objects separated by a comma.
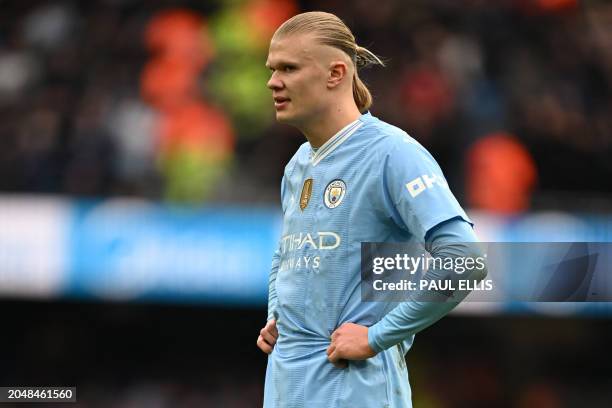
[
  {"x": 501, "y": 174},
  {"x": 196, "y": 126},
  {"x": 167, "y": 82},
  {"x": 180, "y": 33},
  {"x": 265, "y": 16}
]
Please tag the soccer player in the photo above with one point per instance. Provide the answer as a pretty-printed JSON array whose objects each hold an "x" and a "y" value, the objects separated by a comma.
[{"x": 357, "y": 179}]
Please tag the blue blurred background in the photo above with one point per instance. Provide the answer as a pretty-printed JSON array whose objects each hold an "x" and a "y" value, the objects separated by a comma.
[{"x": 140, "y": 167}]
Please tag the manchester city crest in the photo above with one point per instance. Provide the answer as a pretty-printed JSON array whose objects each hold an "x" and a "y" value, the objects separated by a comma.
[{"x": 334, "y": 193}]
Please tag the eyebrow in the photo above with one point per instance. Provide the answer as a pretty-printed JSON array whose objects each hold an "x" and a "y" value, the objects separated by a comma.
[{"x": 281, "y": 63}]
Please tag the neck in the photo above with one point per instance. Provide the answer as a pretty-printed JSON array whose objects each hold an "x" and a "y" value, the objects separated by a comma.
[{"x": 329, "y": 123}]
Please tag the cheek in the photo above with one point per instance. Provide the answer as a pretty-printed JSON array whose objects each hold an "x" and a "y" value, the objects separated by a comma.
[{"x": 313, "y": 90}]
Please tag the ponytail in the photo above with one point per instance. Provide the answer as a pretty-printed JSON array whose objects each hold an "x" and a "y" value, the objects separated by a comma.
[{"x": 361, "y": 93}]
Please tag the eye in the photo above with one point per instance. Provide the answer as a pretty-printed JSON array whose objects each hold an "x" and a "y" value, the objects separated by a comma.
[{"x": 289, "y": 68}]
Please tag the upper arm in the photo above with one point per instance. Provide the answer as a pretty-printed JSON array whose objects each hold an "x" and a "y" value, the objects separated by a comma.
[{"x": 416, "y": 193}]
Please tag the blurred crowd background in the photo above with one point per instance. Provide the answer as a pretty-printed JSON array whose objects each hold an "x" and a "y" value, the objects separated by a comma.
[{"x": 166, "y": 101}]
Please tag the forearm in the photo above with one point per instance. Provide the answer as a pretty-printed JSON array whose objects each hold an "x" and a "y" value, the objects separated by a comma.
[{"x": 454, "y": 239}]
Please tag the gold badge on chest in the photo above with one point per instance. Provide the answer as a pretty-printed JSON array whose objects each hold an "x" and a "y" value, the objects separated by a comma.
[{"x": 306, "y": 193}]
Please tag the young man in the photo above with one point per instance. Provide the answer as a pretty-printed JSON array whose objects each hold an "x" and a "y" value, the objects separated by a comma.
[{"x": 357, "y": 179}]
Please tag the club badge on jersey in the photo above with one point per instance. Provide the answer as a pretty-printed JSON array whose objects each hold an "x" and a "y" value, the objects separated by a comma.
[{"x": 334, "y": 193}]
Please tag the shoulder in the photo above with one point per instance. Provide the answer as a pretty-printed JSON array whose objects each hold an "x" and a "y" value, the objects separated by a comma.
[
  {"x": 389, "y": 141},
  {"x": 300, "y": 156}
]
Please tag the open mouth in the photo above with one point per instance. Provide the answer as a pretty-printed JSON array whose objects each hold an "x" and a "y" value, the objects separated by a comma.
[{"x": 281, "y": 102}]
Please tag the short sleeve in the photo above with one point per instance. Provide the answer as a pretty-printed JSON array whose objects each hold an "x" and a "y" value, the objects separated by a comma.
[{"x": 416, "y": 193}]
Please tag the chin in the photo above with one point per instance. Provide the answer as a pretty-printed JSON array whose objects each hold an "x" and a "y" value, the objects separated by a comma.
[{"x": 284, "y": 117}]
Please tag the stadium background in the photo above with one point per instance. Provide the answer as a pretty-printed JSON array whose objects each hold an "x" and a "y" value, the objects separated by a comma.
[{"x": 139, "y": 174}]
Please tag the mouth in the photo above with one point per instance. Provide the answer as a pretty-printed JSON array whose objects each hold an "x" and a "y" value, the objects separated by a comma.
[{"x": 281, "y": 102}]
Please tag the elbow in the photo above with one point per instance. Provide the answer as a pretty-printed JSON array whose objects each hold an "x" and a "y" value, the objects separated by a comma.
[
  {"x": 480, "y": 274},
  {"x": 480, "y": 270}
]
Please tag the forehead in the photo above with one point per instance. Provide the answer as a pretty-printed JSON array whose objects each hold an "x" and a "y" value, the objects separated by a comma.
[{"x": 296, "y": 48}]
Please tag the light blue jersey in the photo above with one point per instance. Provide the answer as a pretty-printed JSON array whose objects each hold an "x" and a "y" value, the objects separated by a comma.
[{"x": 370, "y": 182}]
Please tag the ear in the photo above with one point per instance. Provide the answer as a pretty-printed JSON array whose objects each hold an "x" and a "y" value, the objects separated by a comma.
[{"x": 337, "y": 72}]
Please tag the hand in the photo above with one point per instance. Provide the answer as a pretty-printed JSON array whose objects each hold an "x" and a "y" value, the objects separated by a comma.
[
  {"x": 267, "y": 337},
  {"x": 349, "y": 342}
]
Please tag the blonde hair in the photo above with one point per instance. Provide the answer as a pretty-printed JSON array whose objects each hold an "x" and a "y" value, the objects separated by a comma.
[{"x": 328, "y": 29}]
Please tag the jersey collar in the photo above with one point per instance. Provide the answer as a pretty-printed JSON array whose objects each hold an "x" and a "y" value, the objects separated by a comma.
[{"x": 335, "y": 141}]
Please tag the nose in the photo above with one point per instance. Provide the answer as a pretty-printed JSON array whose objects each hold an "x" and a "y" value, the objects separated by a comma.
[{"x": 274, "y": 83}]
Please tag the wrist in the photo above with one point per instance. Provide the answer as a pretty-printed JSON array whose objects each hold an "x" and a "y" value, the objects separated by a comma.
[{"x": 373, "y": 341}]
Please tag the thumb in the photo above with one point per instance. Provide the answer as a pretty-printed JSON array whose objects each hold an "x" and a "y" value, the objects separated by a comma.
[{"x": 272, "y": 327}]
